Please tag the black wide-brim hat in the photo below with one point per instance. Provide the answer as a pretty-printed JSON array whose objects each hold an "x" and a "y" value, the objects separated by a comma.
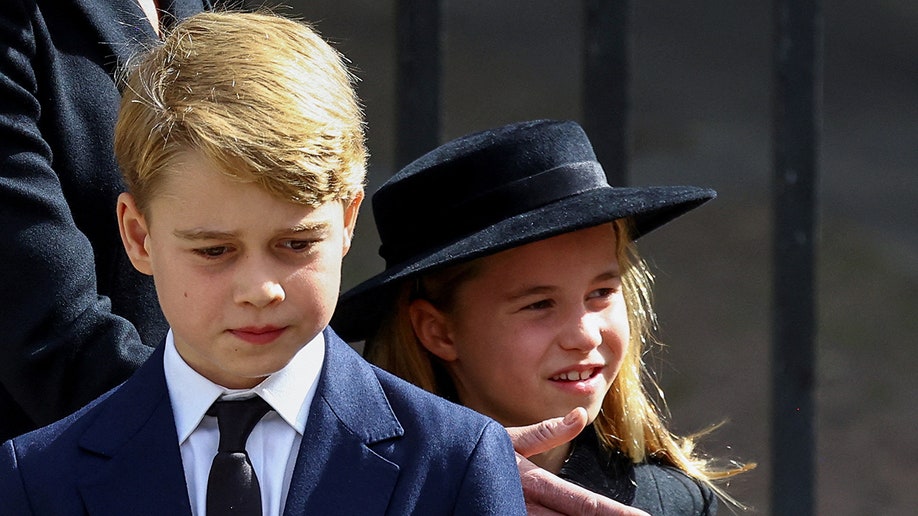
[{"x": 490, "y": 191}]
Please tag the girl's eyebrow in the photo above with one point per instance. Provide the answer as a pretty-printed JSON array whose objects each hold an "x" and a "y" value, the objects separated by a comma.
[
  {"x": 610, "y": 275},
  {"x": 541, "y": 290},
  {"x": 534, "y": 290}
]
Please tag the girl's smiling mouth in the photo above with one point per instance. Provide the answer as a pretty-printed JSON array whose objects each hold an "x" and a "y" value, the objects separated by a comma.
[{"x": 577, "y": 375}]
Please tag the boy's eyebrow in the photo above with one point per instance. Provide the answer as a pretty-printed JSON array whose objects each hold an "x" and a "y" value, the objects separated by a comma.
[
  {"x": 310, "y": 227},
  {"x": 202, "y": 234},
  {"x": 211, "y": 234}
]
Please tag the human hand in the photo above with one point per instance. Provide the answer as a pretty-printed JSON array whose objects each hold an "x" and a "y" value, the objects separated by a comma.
[{"x": 546, "y": 493}]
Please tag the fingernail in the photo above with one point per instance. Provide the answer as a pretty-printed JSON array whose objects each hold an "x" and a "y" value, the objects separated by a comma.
[{"x": 570, "y": 418}]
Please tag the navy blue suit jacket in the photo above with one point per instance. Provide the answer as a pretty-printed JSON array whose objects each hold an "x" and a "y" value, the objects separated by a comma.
[
  {"x": 67, "y": 289},
  {"x": 373, "y": 444}
]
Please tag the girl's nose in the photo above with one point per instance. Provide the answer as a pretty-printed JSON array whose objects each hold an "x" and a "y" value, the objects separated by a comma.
[{"x": 584, "y": 332}]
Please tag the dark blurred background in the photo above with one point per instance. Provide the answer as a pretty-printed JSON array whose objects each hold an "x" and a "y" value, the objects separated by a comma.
[{"x": 701, "y": 81}]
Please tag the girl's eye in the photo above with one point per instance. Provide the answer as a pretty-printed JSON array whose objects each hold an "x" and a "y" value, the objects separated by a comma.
[
  {"x": 602, "y": 293},
  {"x": 540, "y": 305},
  {"x": 212, "y": 252}
]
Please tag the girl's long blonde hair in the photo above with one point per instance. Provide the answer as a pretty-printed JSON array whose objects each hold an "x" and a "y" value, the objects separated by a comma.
[{"x": 629, "y": 422}]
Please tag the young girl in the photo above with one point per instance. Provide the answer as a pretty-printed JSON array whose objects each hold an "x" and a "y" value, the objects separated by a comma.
[{"x": 513, "y": 286}]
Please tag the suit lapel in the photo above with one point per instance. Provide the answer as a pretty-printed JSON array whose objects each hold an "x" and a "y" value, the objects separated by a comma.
[
  {"x": 336, "y": 466},
  {"x": 133, "y": 464}
]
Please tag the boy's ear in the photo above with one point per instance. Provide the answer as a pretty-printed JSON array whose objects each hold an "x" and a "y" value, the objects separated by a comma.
[
  {"x": 134, "y": 233},
  {"x": 431, "y": 327},
  {"x": 351, "y": 209}
]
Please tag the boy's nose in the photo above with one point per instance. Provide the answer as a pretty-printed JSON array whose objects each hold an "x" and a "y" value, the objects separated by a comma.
[
  {"x": 262, "y": 294},
  {"x": 257, "y": 287},
  {"x": 583, "y": 332}
]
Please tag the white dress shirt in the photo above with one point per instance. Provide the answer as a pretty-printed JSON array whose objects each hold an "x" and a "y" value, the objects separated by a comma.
[{"x": 272, "y": 445}]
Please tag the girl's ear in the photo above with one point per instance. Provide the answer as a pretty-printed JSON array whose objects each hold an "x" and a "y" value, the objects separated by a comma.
[
  {"x": 430, "y": 326},
  {"x": 134, "y": 233}
]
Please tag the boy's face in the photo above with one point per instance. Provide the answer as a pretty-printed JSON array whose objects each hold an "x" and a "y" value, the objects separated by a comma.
[{"x": 245, "y": 279}]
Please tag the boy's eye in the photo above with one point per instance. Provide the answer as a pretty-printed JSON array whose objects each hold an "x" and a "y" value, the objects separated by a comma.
[
  {"x": 212, "y": 252},
  {"x": 297, "y": 245}
]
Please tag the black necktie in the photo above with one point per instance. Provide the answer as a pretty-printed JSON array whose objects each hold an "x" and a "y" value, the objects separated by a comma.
[{"x": 232, "y": 487}]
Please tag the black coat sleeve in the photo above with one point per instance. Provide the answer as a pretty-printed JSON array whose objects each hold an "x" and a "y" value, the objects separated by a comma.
[{"x": 62, "y": 344}]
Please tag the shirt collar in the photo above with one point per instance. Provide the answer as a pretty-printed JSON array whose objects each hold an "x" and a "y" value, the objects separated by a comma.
[{"x": 289, "y": 391}]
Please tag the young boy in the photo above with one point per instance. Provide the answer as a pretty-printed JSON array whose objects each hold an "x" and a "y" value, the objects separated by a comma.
[{"x": 241, "y": 142}]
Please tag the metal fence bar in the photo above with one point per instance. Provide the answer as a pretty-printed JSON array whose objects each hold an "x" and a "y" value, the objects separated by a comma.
[
  {"x": 417, "y": 87},
  {"x": 797, "y": 125},
  {"x": 606, "y": 83}
]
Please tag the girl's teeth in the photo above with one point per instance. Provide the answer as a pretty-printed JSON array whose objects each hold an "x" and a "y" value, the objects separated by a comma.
[{"x": 573, "y": 376}]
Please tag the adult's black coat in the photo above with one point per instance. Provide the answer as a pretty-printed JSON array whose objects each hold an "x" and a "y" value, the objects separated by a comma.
[
  {"x": 76, "y": 318},
  {"x": 654, "y": 488}
]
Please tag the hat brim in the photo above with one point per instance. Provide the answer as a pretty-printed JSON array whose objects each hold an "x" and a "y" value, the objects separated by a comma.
[{"x": 360, "y": 309}]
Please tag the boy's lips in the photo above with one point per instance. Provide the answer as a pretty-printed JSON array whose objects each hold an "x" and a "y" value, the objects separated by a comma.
[{"x": 259, "y": 334}]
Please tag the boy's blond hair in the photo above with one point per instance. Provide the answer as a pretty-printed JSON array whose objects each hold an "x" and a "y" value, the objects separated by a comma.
[{"x": 265, "y": 98}]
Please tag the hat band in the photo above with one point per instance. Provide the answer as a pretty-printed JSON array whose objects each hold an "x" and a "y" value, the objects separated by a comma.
[{"x": 508, "y": 200}]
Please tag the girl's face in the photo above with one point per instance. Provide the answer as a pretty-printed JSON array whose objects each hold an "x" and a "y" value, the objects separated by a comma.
[{"x": 539, "y": 329}]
